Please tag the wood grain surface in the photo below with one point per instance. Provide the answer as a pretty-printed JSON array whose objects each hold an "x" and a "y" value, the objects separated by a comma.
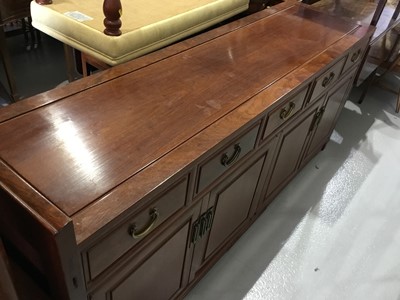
[{"x": 76, "y": 150}]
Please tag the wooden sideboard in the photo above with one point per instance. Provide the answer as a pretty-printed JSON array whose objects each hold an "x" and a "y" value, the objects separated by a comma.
[{"x": 133, "y": 182}]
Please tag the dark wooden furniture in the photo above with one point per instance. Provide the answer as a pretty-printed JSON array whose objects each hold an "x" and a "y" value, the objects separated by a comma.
[
  {"x": 11, "y": 10},
  {"x": 112, "y": 12},
  {"x": 105, "y": 39},
  {"x": 257, "y": 5},
  {"x": 132, "y": 183}
]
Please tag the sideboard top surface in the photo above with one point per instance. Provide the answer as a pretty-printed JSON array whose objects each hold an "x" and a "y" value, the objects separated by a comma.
[{"x": 75, "y": 150}]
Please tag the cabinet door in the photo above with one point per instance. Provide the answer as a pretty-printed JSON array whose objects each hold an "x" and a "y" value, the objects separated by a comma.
[
  {"x": 327, "y": 117},
  {"x": 232, "y": 201},
  {"x": 160, "y": 270},
  {"x": 290, "y": 148},
  {"x": 233, "y": 204}
]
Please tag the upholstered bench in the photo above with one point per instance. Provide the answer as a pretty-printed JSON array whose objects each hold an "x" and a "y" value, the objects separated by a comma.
[{"x": 147, "y": 25}]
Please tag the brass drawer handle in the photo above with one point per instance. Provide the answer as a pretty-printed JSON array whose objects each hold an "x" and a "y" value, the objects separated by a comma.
[
  {"x": 286, "y": 113},
  {"x": 327, "y": 80},
  {"x": 137, "y": 234},
  {"x": 355, "y": 56},
  {"x": 317, "y": 118},
  {"x": 226, "y": 160}
]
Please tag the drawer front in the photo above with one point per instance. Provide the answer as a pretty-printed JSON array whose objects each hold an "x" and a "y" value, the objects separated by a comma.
[
  {"x": 226, "y": 158},
  {"x": 284, "y": 112},
  {"x": 157, "y": 274},
  {"x": 355, "y": 55},
  {"x": 327, "y": 79},
  {"x": 127, "y": 235}
]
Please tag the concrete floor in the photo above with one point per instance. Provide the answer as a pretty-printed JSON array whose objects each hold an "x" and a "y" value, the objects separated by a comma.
[{"x": 333, "y": 233}]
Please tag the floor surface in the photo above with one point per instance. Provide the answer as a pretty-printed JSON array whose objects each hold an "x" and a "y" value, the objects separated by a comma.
[{"x": 333, "y": 233}]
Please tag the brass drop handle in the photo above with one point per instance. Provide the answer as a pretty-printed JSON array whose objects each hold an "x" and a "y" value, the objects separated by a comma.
[
  {"x": 355, "y": 56},
  {"x": 196, "y": 231},
  {"x": 286, "y": 113},
  {"x": 317, "y": 118},
  {"x": 137, "y": 234},
  {"x": 226, "y": 160},
  {"x": 327, "y": 80}
]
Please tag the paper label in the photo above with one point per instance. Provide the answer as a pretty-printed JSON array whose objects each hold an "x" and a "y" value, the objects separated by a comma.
[{"x": 78, "y": 16}]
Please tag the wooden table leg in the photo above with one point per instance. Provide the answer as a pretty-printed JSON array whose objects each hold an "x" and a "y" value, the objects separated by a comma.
[
  {"x": 5, "y": 57},
  {"x": 70, "y": 60},
  {"x": 87, "y": 59}
]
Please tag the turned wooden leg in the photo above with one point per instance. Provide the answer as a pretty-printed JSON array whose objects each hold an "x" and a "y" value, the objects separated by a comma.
[{"x": 112, "y": 10}]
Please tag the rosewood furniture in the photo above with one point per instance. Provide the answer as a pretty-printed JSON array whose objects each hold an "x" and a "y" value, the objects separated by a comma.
[{"x": 133, "y": 182}]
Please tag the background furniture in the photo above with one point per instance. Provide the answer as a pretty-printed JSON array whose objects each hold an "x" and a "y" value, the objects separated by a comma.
[
  {"x": 146, "y": 25},
  {"x": 14, "y": 11},
  {"x": 257, "y": 5},
  {"x": 384, "y": 46}
]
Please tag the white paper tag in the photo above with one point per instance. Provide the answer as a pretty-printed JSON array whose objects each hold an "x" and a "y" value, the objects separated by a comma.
[{"x": 78, "y": 16}]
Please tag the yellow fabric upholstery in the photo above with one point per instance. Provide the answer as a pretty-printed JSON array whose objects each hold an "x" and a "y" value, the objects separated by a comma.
[{"x": 147, "y": 25}]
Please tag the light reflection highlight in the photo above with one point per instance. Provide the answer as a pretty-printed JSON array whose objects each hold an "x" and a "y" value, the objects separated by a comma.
[{"x": 83, "y": 159}]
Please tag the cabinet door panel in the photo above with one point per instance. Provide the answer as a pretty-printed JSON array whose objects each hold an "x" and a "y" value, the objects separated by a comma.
[
  {"x": 118, "y": 242},
  {"x": 159, "y": 270},
  {"x": 334, "y": 104},
  {"x": 290, "y": 151},
  {"x": 164, "y": 268},
  {"x": 233, "y": 202},
  {"x": 232, "y": 205}
]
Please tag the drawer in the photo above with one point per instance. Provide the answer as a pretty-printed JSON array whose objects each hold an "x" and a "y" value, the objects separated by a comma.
[
  {"x": 327, "y": 79},
  {"x": 127, "y": 235},
  {"x": 158, "y": 272},
  {"x": 226, "y": 158},
  {"x": 285, "y": 112},
  {"x": 355, "y": 55}
]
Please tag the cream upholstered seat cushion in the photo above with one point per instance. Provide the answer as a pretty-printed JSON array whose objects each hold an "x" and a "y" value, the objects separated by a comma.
[{"x": 147, "y": 25}]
